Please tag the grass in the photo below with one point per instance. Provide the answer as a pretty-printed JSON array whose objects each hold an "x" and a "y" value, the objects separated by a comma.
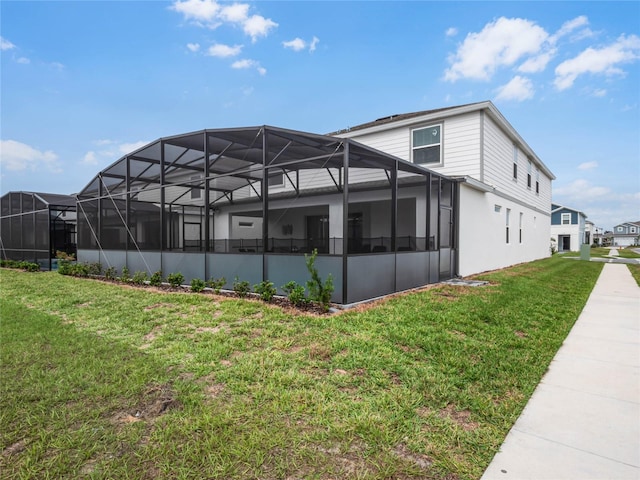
[
  {"x": 602, "y": 252},
  {"x": 106, "y": 381},
  {"x": 635, "y": 271}
]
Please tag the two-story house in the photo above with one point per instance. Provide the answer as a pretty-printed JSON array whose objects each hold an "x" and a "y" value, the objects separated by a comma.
[
  {"x": 568, "y": 228},
  {"x": 504, "y": 190},
  {"x": 391, "y": 205},
  {"x": 626, "y": 234}
]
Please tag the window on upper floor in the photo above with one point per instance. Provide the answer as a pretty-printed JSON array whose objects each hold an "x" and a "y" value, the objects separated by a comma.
[
  {"x": 195, "y": 190},
  {"x": 529, "y": 170},
  {"x": 632, "y": 229},
  {"x": 276, "y": 180},
  {"x": 426, "y": 144},
  {"x": 515, "y": 162},
  {"x": 566, "y": 219}
]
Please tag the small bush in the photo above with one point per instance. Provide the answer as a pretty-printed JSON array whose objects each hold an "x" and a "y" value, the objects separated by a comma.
[
  {"x": 64, "y": 267},
  {"x": 27, "y": 266},
  {"x": 110, "y": 273},
  {"x": 319, "y": 291},
  {"x": 139, "y": 278},
  {"x": 94, "y": 268},
  {"x": 175, "y": 279},
  {"x": 295, "y": 293},
  {"x": 60, "y": 255},
  {"x": 265, "y": 289},
  {"x": 216, "y": 284},
  {"x": 125, "y": 275},
  {"x": 197, "y": 285},
  {"x": 79, "y": 270},
  {"x": 156, "y": 279},
  {"x": 241, "y": 287}
]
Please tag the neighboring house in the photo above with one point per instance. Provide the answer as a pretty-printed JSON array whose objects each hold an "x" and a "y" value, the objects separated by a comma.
[
  {"x": 626, "y": 234},
  {"x": 33, "y": 226},
  {"x": 594, "y": 235},
  {"x": 504, "y": 195},
  {"x": 568, "y": 228}
]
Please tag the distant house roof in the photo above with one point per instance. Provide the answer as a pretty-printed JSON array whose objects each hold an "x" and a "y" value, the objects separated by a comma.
[
  {"x": 407, "y": 119},
  {"x": 56, "y": 199},
  {"x": 556, "y": 208}
]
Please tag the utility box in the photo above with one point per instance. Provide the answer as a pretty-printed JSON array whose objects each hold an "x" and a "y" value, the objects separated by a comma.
[{"x": 585, "y": 252}]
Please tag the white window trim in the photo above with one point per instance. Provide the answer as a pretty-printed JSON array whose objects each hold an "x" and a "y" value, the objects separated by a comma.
[
  {"x": 413, "y": 149},
  {"x": 563, "y": 216}
]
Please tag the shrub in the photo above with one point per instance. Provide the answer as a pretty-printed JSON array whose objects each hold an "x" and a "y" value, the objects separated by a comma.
[
  {"x": 139, "y": 278},
  {"x": 60, "y": 255},
  {"x": 110, "y": 273},
  {"x": 197, "y": 285},
  {"x": 79, "y": 270},
  {"x": 241, "y": 287},
  {"x": 265, "y": 289},
  {"x": 64, "y": 267},
  {"x": 175, "y": 279},
  {"x": 125, "y": 276},
  {"x": 319, "y": 291},
  {"x": 216, "y": 284},
  {"x": 156, "y": 279},
  {"x": 94, "y": 268},
  {"x": 27, "y": 266},
  {"x": 295, "y": 293}
]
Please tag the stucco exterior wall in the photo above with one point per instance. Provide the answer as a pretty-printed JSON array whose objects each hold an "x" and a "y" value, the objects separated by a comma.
[{"x": 482, "y": 233}]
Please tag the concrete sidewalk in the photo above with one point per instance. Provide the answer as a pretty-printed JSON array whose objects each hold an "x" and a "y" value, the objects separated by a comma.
[{"x": 583, "y": 420}]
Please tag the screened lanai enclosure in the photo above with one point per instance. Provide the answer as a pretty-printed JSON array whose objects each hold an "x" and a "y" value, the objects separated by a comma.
[
  {"x": 34, "y": 226},
  {"x": 248, "y": 203}
]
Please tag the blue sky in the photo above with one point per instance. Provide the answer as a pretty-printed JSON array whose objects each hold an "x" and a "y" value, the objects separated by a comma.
[{"x": 84, "y": 82}]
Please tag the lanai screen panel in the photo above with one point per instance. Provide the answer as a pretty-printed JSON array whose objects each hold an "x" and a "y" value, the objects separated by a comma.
[{"x": 264, "y": 191}]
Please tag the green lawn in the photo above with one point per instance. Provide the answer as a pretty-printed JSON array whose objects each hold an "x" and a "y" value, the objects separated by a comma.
[
  {"x": 604, "y": 252},
  {"x": 107, "y": 381}
]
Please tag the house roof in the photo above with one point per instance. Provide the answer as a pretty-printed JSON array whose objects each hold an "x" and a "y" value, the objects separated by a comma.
[
  {"x": 556, "y": 208},
  {"x": 234, "y": 159},
  {"x": 52, "y": 199},
  {"x": 408, "y": 119}
]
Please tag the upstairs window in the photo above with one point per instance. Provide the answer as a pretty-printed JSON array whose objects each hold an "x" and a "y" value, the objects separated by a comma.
[
  {"x": 566, "y": 219},
  {"x": 515, "y": 162},
  {"x": 529, "y": 168},
  {"x": 426, "y": 145},
  {"x": 276, "y": 180},
  {"x": 195, "y": 190},
  {"x": 537, "y": 180}
]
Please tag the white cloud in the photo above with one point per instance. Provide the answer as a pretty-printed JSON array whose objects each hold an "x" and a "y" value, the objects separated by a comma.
[
  {"x": 211, "y": 14},
  {"x": 236, "y": 13},
  {"x": 298, "y": 44},
  {"x": 199, "y": 11},
  {"x": 451, "y": 32},
  {"x": 23, "y": 60},
  {"x": 223, "y": 51},
  {"x": 519, "y": 88},
  {"x": 605, "y": 61},
  {"x": 569, "y": 26},
  {"x": 500, "y": 43},
  {"x": 588, "y": 165},
  {"x": 258, "y": 26},
  {"x": 125, "y": 148},
  {"x": 90, "y": 158},
  {"x": 538, "y": 63},
  {"x": 18, "y": 156},
  {"x": 194, "y": 47},
  {"x": 599, "y": 92},
  {"x": 6, "y": 44},
  {"x": 246, "y": 63},
  {"x": 581, "y": 190}
]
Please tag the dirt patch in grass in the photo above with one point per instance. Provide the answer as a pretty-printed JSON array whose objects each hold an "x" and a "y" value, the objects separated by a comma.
[
  {"x": 156, "y": 305},
  {"x": 15, "y": 448},
  {"x": 418, "y": 459},
  {"x": 461, "y": 417},
  {"x": 156, "y": 401}
]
